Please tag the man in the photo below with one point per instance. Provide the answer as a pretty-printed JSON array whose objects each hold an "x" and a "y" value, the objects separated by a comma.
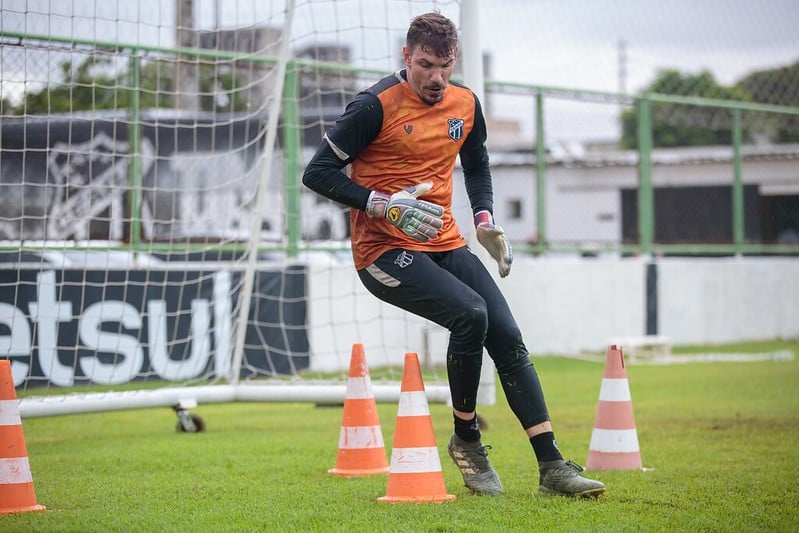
[{"x": 401, "y": 138}]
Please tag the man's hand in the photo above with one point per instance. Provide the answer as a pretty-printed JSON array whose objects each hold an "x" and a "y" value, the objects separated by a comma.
[
  {"x": 493, "y": 239},
  {"x": 417, "y": 218}
]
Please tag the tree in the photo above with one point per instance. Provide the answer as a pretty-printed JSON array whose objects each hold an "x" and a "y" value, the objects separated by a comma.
[
  {"x": 682, "y": 125},
  {"x": 778, "y": 87},
  {"x": 77, "y": 91},
  {"x": 93, "y": 85}
]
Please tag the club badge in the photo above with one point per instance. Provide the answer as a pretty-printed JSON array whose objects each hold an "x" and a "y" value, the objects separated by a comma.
[{"x": 455, "y": 128}]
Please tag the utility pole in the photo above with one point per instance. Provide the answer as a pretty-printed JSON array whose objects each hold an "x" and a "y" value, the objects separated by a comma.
[
  {"x": 186, "y": 75},
  {"x": 622, "y": 73},
  {"x": 622, "y": 51}
]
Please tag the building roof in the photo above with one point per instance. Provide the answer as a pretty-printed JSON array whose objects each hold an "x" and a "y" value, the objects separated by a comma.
[{"x": 576, "y": 155}]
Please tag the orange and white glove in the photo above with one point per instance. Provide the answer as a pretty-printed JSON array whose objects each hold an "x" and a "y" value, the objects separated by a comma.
[{"x": 493, "y": 239}]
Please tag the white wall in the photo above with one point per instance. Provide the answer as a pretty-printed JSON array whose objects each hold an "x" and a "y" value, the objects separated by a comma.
[
  {"x": 724, "y": 300},
  {"x": 569, "y": 304},
  {"x": 564, "y": 305},
  {"x": 583, "y": 201}
]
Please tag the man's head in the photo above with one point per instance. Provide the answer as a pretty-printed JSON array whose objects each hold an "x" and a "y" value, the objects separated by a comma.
[{"x": 430, "y": 51}]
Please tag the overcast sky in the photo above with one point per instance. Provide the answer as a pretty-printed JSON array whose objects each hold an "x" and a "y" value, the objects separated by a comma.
[
  {"x": 576, "y": 41},
  {"x": 562, "y": 43}
]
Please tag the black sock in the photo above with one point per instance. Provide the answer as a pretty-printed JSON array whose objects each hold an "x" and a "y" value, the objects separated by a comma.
[
  {"x": 545, "y": 447},
  {"x": 467, "y": 430}
]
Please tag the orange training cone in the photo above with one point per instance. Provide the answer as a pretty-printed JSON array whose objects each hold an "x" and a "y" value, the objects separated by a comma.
[
  {"x": 415, "y": 474},
  {"x": 361, "y": 451},
  {"x": 16, "y": 482},
  {"x": 614, "y": 441}
]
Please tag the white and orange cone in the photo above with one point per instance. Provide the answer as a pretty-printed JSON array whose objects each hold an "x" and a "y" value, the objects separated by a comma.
[
  {"x": 16, "y": 481},
  {"x": 415, "y": 473},
  {"x": 614, "y": 440},
  {"x": 361, "y": 451}
]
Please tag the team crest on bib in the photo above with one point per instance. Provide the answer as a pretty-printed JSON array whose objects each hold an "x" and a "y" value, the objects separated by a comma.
[{"x": 455, "y": 128}]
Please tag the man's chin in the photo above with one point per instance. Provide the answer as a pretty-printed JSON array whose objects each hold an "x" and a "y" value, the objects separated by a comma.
[{"x": 433, "y": 97}]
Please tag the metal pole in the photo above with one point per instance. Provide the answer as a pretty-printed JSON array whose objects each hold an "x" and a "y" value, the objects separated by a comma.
[
  {"x": 291, "y": 154},
  {"x": 737, "y": 187},
  {"x": 134, "y": 151},
  {"x": 540, "y": 169},
  {"x": 645, "y": 191}
]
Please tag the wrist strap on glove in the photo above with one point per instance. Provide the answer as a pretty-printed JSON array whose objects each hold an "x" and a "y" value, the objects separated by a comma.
[{"x": 377, "y": 204}]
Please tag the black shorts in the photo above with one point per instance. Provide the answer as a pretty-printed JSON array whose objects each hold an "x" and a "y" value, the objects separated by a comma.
[{"x": 454, "y": 289}]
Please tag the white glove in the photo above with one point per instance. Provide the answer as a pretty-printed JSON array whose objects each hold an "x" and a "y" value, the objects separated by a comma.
[
  {"x": 493, "y": 239},
  {"x": 417, "y": 218}
]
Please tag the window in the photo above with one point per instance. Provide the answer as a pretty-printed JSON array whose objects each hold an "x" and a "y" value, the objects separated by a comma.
[{"x": 514, "y": 209}]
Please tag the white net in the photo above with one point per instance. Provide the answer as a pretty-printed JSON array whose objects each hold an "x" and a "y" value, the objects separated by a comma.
[{"x": 152, "y": 234}]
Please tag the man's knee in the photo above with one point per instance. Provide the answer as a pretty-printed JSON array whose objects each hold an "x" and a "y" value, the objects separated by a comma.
[
  {"x": 469, "y": 325},
  {"x": 510, "y": 356}
]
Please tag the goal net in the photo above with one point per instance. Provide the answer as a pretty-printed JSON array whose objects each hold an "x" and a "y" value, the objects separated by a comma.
[{"x": 156, "y": 243}]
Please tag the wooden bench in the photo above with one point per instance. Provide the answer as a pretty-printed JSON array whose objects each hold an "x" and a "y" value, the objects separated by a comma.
[{"x": 646, "y": 347}]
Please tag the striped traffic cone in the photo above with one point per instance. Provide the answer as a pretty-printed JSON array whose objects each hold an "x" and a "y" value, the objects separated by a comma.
[
  {"x": 614, "y": 441},
  {"x": 415, "y": 473},
  {"x": 361, "y": 451},
  {"x": 16, "y": 482}
]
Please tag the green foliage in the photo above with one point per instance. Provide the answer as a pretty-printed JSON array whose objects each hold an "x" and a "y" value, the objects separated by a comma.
[
  {"x": 85, "y": 86},
  {"x": 702, "y": 84},
  {"x": 778, "y": 87},
  {"x": 680, "y": 125},
  {"x": 95, "y": 85},
  {"x": 719, "y": 440}
]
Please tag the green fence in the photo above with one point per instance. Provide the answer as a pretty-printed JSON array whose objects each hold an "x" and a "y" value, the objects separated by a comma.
[
  {"x": 652, "y": 110},
  {"x": 736, "y": 123}
]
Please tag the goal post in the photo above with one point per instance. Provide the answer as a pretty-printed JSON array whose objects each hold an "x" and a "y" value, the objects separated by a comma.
[
  {"x": 275, "y": 100},
  {"x": 156, "y": 245}
]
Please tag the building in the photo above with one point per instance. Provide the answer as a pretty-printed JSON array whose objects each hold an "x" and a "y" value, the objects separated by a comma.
[{"x": 592, "y": 197}]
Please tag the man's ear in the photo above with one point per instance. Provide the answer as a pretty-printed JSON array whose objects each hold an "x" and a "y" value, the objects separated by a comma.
[{"x": 406, "y": 56}]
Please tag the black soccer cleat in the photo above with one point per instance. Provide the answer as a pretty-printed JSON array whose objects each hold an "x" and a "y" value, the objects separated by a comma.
[
  {"x": 471, "y": 458},
  {"x": 563, "y": 478}
]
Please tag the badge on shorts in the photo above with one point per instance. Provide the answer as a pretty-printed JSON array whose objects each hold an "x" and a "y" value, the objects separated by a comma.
[
  {"x": 455, "y": 128},
  {"x": 404, "y": 259}
]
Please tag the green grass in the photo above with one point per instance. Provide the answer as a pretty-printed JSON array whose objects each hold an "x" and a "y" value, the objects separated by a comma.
[{"x": 720, "y": 438}]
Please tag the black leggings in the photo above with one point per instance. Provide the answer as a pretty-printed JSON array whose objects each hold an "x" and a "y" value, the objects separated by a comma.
[{"x": 453, "y": 289}]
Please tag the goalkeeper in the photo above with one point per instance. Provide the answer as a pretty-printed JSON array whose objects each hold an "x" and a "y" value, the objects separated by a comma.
[{"x": 401, "y": 138}]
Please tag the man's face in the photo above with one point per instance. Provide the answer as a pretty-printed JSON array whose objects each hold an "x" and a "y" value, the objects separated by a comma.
[{"x": 428, "y": 74}]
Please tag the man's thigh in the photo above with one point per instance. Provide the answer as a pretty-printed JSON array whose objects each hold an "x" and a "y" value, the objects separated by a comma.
[{"x": 414, "y": 281}]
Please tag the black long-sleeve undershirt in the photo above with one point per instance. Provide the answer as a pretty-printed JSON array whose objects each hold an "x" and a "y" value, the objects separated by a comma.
[{"x": 364, "y": 115}]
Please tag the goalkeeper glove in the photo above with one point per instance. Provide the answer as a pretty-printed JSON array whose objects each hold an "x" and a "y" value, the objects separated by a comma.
[
  {"x": 493, "y": 239},
  {"x": 417, "y": 218}
]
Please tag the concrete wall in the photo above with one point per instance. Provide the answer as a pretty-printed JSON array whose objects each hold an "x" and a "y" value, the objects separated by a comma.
[
  {"x": 569, "y": 304},
  {"x": 725, "y": 300},
  {"x": 583, "y": 201}
]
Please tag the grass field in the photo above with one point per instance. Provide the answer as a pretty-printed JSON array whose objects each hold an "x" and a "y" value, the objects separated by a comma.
[{"x": 721, "y": 440}]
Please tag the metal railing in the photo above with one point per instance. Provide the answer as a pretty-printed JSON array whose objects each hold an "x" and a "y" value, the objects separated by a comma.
[{"x": 292, "y": 146}]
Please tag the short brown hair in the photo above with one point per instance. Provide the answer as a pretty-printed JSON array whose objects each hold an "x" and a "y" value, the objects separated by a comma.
[{"x": 435, "y": 32}]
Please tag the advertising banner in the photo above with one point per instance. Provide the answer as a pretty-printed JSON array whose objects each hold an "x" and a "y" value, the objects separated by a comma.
[{"x": 74, "y": 326}]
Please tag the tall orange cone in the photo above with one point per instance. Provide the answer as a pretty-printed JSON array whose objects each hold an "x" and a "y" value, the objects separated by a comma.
[
  {"x": 16, "y": 482},
  {"x": 415, "y": 473},
  {"x": 614, "y": 441},
  {"x": 361, "y": 451}
]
